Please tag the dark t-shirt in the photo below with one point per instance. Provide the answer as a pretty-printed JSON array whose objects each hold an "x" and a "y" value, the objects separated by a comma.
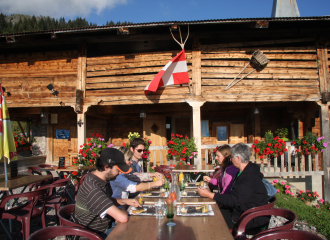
[{"x": 93, "y": 198}]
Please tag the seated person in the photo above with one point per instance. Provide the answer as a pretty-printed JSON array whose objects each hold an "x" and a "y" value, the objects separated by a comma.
[
  {"x": 132, "y": 184},
  {"x": 138, "y": 177},
  {"x": 228, "y": 171},
  {"x": 95, "y": 209},
  {"x": 248, "y": 190},
  {"x": 137, "y": 146}
]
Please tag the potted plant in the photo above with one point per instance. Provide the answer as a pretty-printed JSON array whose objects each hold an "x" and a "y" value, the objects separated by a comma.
[
  {"x": 310, "y": 144},
  {"x": 90, "y": 150},
  {"x": 181, "y": 148},
  {"x": 282, "y": 133},
  {"x": 308, "y": 196}
]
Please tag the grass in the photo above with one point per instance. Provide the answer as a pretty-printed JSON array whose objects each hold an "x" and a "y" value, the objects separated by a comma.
[{"x": 315, "y": 217}]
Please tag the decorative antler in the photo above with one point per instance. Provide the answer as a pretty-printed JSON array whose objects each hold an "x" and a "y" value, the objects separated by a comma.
[{"x": 181, "y": 44}]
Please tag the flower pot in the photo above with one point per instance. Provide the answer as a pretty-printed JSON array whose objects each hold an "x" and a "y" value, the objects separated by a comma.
[
  {"x": 19, "y": 149},
  {"x": 308, "y": 203},
  {"x": 28, "y": 148}
]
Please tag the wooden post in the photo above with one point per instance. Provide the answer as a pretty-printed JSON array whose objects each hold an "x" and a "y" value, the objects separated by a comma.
[
  {"x": 197, "y": 133},
  {"x": 326, "y": 151},
  {"x": 50, "y": 144},
  {"x": 81, "y": 130},
  {"x": 196, "y": 68}
]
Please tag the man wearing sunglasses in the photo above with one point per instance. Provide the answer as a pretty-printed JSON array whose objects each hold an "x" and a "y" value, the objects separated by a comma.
[{"x": 137, "y": 146}]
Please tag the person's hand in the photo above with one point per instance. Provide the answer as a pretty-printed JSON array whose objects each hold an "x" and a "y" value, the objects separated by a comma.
[
  {"x": 206, "y": 178},
  {"x": 158, "y": 175},
  {"x": 159, "y": 182},
  {"x": 132, "y": 202},
  {"x": 204, "y": 192}
]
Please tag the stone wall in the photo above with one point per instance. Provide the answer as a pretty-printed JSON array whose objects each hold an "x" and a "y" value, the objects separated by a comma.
[{"x": 39, "y": 132}]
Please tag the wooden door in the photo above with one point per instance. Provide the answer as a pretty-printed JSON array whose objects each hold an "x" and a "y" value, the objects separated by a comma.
[
  {"x": 154, "y": 128},
  {"x": 237, "y": 134}
]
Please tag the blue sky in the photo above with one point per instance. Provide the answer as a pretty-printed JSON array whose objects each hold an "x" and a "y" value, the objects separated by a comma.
[{"x": 140, "y": 11}]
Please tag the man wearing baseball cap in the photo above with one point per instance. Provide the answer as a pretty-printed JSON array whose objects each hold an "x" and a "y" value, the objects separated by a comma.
[{"x": 95, "y": 209}]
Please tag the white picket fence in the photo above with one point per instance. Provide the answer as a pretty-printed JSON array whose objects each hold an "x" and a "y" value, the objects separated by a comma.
[{"x": 288, "y": 164}]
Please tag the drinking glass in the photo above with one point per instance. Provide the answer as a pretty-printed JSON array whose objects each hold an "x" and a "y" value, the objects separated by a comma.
[{"x": 159, "y": 209}]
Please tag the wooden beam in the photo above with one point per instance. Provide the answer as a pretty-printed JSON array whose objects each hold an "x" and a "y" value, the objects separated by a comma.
[
  {"x": 196, "y": 68},
  {"x": 323, "y": 67},
  {"x": 22, "y": 130},
  {"x": 50, "y": 144},
  {"x": 326, "y": 151}
]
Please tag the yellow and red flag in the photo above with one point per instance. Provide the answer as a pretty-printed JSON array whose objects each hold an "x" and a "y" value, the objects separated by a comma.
[{"x": 7, "y": 143}]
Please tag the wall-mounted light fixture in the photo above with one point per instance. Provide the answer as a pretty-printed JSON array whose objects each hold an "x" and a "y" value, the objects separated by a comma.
[
  {"x": 80, "y": 123},
  {"x": 51, "y": 88},
  {"x": 42, "y": 113},
  {"x": 256, "y": 110},
  {"x": 143, "y": 113},
  {"x": 4, "y": 90}
]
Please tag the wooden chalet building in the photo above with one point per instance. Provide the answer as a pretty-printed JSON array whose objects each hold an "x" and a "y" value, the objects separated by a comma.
[{"x": 100, "y": 74}]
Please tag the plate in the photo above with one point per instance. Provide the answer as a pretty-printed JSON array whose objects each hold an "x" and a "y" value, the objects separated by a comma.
[
  {"x": 192, "y": 211},
  {"x": 150, "y": 210},
  {"x": 155, "y": 194}
]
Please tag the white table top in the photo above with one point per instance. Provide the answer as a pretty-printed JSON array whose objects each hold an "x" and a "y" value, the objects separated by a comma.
[{"x": 193, "y": 168}]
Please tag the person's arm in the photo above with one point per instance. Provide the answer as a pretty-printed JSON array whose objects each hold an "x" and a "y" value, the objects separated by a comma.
[
  {"x": 228, "y": 180},
  {"x": 145, "y": 186},
  {"x": 204, "y": 192},
  {"x": 119, "y": 215}
]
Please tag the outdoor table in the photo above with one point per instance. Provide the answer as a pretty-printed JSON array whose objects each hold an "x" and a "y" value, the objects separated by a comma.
[
  {"x": 22, "y": 181},
  {"x": 186, "y": 228},
  {"x": 193, "y": 168}
]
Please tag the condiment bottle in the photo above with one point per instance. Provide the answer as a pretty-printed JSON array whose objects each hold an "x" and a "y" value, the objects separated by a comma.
[{"x": 181, "y": 177}]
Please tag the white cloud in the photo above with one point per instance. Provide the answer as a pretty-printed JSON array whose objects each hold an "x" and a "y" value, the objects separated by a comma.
[{"x": 57, "y": 8}]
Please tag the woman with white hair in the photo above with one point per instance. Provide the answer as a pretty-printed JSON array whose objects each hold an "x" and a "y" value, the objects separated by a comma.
[{"x": 248, "y": 190}]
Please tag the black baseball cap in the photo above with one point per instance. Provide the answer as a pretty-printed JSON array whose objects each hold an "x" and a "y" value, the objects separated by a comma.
[{"x": 115, "y": 157}]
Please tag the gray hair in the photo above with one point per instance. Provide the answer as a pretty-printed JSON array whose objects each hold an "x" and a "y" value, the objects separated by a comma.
[{"x": 241, "y": 150}]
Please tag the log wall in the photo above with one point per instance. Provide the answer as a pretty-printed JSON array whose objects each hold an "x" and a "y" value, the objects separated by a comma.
[
  {"x": 291, "y": 74},
  {"x": 122, "y": 79},
  {"x": 26, "y": 76}
]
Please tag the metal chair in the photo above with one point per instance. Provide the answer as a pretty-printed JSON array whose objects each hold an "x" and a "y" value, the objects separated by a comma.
[
  {"x": 52, "y": 232},
  {"x": 287, "y": 234},
  {"x": 27, "y": 211},
  {"x": 239, "y": 230}
]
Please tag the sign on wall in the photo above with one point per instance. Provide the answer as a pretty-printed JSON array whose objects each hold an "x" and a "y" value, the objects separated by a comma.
[{"x": 62, "y": 133}]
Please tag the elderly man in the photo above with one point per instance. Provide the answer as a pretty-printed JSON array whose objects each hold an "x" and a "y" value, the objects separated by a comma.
[
  {"x": 95, "y": 209},
  {"x": 248, "y": 190}
]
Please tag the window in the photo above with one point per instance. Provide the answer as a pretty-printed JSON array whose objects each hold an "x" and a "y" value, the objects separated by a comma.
[{"x": 222, "y": 133}]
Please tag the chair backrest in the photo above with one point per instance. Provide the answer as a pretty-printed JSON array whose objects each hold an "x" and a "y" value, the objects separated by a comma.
[
  {"x": 34, "y": 197},
  {"x": 267, "y": 206},
  {"x": 46, "y": 165},
  {"x": 64, "y": 213},
  {"x": 34, "y": 170},
  {"x": 59, "y": 183},
  {"x": 52, "y": 232},
  {"x": 81, "y": 180},
  {"x": 287, "y": 234},
  {"x": 240, "y": 226}
]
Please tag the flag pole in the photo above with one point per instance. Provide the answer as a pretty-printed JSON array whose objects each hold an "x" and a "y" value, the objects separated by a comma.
[{"x": 5, "y": 168}]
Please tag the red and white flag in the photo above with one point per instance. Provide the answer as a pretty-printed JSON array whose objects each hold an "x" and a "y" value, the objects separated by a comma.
[{"x": 174, "y": 72}]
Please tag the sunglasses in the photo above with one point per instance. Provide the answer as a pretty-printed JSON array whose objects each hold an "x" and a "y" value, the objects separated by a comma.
[{"x": 139, "y": 150}]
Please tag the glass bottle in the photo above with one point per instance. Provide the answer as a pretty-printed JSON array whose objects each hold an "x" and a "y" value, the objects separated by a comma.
[
  {"x": 169, "y": 207},
  {"x": 175, "y": 189}
]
